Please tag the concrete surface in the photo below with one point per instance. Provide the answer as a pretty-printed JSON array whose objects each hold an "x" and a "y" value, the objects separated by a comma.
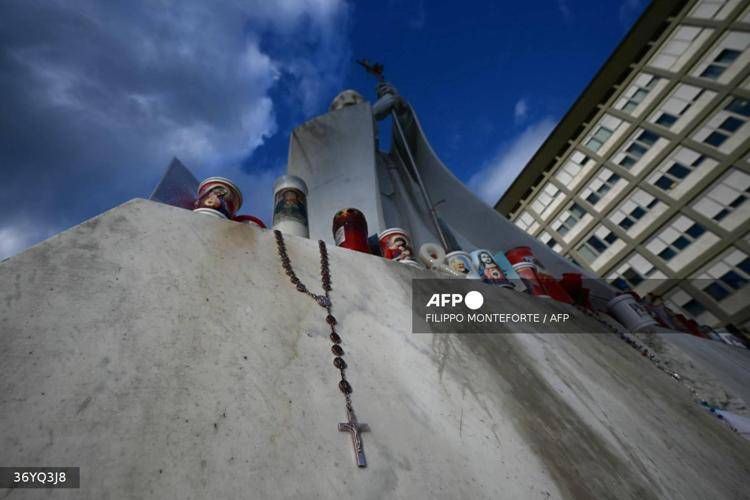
[
  {"x": 167, "y": 355},
  {"x": 717, "y": 372}
]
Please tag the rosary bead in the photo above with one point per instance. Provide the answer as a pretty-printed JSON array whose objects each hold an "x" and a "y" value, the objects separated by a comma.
[
  {"x": 330, "y": 319},
  {"x": 335, "y": 338},
  {"x": 301, "y": 287},
  {"x": 339, "y": 363},
  {"x": 337, "y": 350},
  {"x": 345, "y": 387},
  {"x": 294, "y": 280}
]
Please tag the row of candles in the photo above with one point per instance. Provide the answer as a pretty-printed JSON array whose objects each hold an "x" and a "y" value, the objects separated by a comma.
[{"x": 221, "y": 198}]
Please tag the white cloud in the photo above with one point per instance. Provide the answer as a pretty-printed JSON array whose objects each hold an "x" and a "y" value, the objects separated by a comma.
[
  {"x": 18, "y": 237},
  {"x": 100, "y": 96},
  {"x": 494, "y": 178},
  {"x": 520, "y": 111},
  {"x": 11, "y": 242}
]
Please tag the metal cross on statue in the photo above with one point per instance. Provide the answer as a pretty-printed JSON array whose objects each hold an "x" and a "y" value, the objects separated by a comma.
[{"x": 354, "y": 428}]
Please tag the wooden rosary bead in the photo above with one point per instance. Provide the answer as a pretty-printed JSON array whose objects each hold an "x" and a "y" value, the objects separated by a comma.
[{"x": 345, "y": 387}]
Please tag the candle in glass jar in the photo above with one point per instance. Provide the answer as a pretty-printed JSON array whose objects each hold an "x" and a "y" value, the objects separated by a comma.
[
  {"x": 395, "y": 244},
  {"x": 290, "y": 206},
  {"x": 350, "y": 230},
  {"x": 220, "y": 194}
]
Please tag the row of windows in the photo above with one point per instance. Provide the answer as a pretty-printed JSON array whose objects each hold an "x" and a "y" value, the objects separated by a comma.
[
  {"x": 683, "y": 103},
  {"x": 729, "y": 123},
  {"x": 725, "y": 280}
]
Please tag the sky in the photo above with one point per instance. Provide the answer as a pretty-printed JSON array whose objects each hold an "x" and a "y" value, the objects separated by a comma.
[{"x": 96, "y": 98}]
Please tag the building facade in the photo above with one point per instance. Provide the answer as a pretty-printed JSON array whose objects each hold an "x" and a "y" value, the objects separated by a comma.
[{"x": 646, "y": 180}]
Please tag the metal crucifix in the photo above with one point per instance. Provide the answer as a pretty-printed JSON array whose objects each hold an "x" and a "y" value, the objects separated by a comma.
[{"x": 354, "y": 428}]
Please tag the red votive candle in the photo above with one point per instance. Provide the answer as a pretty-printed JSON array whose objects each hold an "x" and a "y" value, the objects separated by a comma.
[{"x": 350, "y": 230}]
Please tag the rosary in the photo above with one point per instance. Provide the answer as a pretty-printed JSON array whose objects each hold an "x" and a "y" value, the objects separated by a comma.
[{"x": 351, "y": 426}]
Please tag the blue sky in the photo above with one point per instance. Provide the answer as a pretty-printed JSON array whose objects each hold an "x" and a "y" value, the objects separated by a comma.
[{"x": 98, "y": 96}]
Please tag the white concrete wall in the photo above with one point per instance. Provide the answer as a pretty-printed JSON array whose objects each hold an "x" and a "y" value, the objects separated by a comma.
[{"x": 167, "y": 355}]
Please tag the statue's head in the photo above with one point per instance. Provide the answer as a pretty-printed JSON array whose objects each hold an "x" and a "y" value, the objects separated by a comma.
[{"x": 346, "y": 98}]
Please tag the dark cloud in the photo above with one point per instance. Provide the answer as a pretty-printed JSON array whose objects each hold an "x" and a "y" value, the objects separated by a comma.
[{"x": 98, "y": 96}]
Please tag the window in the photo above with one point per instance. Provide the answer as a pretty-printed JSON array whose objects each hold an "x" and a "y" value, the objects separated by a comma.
[
  {"x": 634, "y": 209},
  {"x": 633, "y": 272},
  {"x": 667, "y": 253},
  {"x": 596, "y": 243},
  {"x": 682, "y": 165},
  {"x": 725, "y": 124},
  {"x": 715, "y": 139},
  {"x": 638, "y": 147},
  {"x": 726, "y": 200},
  {"x": 725, "y": 59},
  {"x": 679, "y": 299},
  {"x": 681, "y": 45},
  {"x": 673, "y": 238},
  {"x": 694, "y": 308},
  {"x": 600, "y": 185},
  {"x": 573, "y": 170},
  {"x": 599, "y": 138},
  {"x": 740, "y": 107},
  {"x": 637, "y": 92},
  {"x": 548, "y": 240},
  {"x": 525, "y": 220},
  {"x": 604, "y": 129},
  {"x": 726, "y": 275},
  {"x": 685, "y": 100},
  {"x": 666, "y": 120},
  {"x": 713, "y": 9},
  {"x": 544, "y": 203},
  {"x": 569, "y": 218}
]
